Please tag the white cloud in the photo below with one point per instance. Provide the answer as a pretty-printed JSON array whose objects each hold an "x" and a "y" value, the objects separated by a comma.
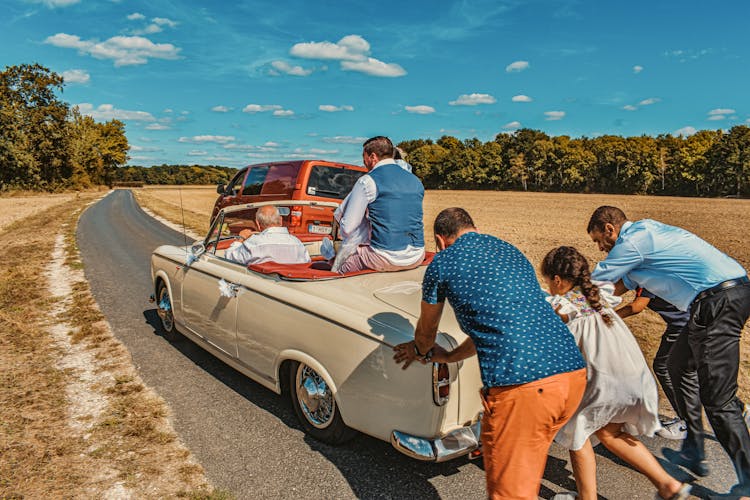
[
  {"x": 420, "y": 109},
  {"x": 349, "y": 48},
  {"x": 512, "y": 125},
  {"x": 517, "y": 66},
  {"x": 649, "y": 101},
  {"x": 271, "y": 144},
  {"x": 330, "y": 108},
  {"x": 76, "y": 76},
  {"x": 283, "y": 112},
  {"x": 374, "y": 67},
  {"x": 197, "y": 152},
  {"x": 260, "y": 108},
  {"x": 142, "y": 149},
  {"x": 473, "y": 100},
  {"x": 221, "y": 109},
  {"x": 150, "y": 29},
  {"x": 56, "y": 3},
  {"x": 157, "y": 126},
  {"x": 714, "y": 118},
  {"x": 554, "y": 115},
  {"x": 163, "y": 21},
  {"x": 521, "y": 98},
  {"x": 136, "y": 16},
  {"x": 168, "y": 110},
  {"x": 109, "y": 112},
  {"x": 629, "y": 107},
  {"x": 123, "y": 50},
  {"x": 352, "y": 51},
  {"x": 288, "y": 69},
  {"x": 637, "y": 69},
  {"x": 198, "y": 139},
  {"x": 721, "y": 111},
  {"x": 344, "y": 139},
  {"x": 318, "y": 151},
  {"x": 686, "y": 131}
]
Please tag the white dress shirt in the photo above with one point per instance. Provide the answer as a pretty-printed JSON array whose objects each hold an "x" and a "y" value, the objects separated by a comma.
[
  {"x": 354, "y": 224},
  {"x": 273, "y": 244}
]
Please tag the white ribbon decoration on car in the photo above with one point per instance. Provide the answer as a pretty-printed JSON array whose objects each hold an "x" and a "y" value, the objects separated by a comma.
[{"x": 226, "y": 289}]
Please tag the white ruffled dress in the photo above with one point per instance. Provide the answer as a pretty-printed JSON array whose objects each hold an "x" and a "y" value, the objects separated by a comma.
[{"x": 619, "y": 385}]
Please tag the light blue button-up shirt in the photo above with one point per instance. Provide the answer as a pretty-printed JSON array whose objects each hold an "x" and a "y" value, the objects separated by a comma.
[{"x": 670, "y": 262}]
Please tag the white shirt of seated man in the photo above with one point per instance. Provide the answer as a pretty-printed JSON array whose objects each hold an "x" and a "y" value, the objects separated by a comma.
[
  {"x": 272, "y": 244},
  {"x": 354, "y": 224}
]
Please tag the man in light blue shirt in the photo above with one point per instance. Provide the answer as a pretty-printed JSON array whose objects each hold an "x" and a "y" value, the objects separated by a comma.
[{"x": 686, "y": 271}]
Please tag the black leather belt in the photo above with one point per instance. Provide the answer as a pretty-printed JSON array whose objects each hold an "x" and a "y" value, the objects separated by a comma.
[{"x": 724, "y": 285}]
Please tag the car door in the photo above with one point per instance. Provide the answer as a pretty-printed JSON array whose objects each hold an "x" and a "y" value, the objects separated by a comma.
[
  {"x": 209, "y": 307},
  {"x": 207, "y": 311}
]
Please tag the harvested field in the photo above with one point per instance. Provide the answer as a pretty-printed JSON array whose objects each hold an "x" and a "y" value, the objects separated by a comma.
[
  {"x": 538, "y": 222},
  {"x": 13, "y": 208}
]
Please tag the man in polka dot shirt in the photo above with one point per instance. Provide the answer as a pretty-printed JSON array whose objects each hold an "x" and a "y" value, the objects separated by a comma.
[{"x": 533, "y": 373}]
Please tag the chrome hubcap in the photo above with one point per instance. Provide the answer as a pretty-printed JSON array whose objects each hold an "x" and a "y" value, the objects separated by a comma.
[
  {"x": 314, "y": 396},
  {"x": 165, "y": 310}
]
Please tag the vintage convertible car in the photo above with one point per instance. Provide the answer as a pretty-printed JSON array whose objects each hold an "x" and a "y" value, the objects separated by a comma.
[{"x": 324, "y": 339}]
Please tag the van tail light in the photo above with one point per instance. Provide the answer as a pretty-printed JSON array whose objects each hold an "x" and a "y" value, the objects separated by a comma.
[
  {"x": 295, "y": 216},
  {"x": 441, "y": 383}
]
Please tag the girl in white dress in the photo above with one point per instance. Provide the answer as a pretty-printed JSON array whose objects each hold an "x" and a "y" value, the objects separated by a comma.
[{"x": 621, "y": 397}]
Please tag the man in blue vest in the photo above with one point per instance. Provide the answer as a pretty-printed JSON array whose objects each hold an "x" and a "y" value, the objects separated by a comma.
[{"x": 386, "y": 204}]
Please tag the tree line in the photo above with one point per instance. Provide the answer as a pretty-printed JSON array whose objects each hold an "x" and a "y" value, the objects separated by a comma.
[
  {"x": 44, "y": 143},
  {"x": 707, "y": 163},
  {"x": 175, "y": 174}
]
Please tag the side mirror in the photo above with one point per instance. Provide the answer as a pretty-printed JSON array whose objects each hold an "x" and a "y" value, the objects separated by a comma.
[
  {"x": 221, "y": 188},
  {"x": 197, "y": 249},
  {"x": 284, "y": 211}
]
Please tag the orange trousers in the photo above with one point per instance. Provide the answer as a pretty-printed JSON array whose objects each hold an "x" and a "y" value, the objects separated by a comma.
[{"x": 518, "y": 426}]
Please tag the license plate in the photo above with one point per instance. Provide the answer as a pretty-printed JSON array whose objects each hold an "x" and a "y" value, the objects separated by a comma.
[{"x": 312, "y": 228}]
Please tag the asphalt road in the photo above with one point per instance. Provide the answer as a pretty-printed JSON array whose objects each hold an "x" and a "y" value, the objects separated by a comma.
[{"x": 247, "y": 438}]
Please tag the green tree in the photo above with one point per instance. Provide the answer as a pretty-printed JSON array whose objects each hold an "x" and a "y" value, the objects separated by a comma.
[
  {"x": 32, "y": 126},
  {"x": 731, "y": 160}
]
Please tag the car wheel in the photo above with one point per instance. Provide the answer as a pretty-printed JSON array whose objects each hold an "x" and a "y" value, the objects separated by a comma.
[
  {"x": 164, "y": 310},
  {"x": 316, "y": 407}
]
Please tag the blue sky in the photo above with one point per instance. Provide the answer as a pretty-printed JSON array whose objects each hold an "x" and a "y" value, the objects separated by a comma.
[{"x": 234, "y": 83}]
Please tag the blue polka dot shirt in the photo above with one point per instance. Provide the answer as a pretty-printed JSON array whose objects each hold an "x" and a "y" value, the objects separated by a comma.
[{"x": 498, "y": 303}]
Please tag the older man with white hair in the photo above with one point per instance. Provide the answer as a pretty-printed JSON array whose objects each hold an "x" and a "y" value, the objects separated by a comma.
[{"x": 272, "y": 244}]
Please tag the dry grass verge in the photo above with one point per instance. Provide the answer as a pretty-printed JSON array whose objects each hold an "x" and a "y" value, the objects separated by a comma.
[
  {"x": 196, "y": 206},
  {"x": 76, "y": 419}
]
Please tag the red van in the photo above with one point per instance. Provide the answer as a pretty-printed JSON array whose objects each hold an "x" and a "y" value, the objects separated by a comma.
[{"x": 292, "y": 180}]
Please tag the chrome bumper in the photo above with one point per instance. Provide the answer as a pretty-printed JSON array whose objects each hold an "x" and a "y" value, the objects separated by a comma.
[{"x": 454, "y": 444}]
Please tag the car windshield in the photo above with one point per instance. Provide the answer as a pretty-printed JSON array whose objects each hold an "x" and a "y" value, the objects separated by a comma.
[
  {"x": 228, "y": 226},
  {"x": 332, "y": 182}
]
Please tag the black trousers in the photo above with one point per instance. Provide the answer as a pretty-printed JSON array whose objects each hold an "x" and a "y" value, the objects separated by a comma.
[
  {"x": 661, "y": 368},
  {"x": 711, "y": 346}
]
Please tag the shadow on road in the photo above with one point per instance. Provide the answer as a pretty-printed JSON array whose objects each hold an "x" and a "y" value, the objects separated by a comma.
[{"x": 373, "y": 468}]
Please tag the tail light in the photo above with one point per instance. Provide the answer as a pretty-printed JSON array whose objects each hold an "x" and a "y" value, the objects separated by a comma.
[
  {"x": 295, "y": 216},
  {"x": 441, "y": 383}
]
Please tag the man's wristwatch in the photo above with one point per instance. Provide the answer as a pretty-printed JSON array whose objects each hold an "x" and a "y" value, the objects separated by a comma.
[{"x": 426, "y": 356}]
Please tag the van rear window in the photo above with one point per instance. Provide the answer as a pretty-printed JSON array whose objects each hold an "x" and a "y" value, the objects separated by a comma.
[
  {"x": 271, "y": 179},
  {"x": 332, "y": 182}
]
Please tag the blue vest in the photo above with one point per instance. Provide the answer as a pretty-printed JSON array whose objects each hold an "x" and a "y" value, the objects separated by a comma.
[{"x": 396, "y": 213}]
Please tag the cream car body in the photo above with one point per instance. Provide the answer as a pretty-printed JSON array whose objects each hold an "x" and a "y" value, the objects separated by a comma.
[{"x": 344, "y": 329}]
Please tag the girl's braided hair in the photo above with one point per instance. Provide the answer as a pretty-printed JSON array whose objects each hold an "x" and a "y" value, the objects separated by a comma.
[{"x": 570, "y": 265}]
